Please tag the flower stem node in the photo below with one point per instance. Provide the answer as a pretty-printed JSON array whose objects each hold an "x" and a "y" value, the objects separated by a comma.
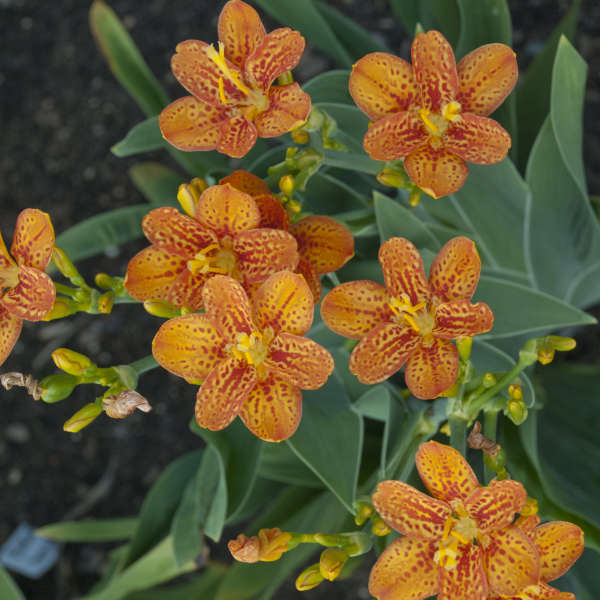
[
  {"x": 83, "y": 417},
  {"x": 332, "y": 562},
  {"x": 70, "y": 361},
  {"x": 309, "y": 578},
  {"x": 58, "y": 387}
]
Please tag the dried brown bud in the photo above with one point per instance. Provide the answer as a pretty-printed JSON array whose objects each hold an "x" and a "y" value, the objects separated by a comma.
[
  {"x": 478, "y": 441},
  {"x": 121, "y": 406},
  {"x": 9, "y": 380},
  {"x": 245, "y": 549}
]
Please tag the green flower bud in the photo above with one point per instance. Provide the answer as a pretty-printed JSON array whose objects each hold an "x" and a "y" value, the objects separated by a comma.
[
  {"x": 82, "y": 418},
  {"x": 58, "y": 387},
  {"x": 309, "y": 578},
  {"x": 332, "y": 562}
]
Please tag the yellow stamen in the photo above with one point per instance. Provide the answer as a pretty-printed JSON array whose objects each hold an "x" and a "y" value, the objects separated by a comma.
[
  {"x": 222, "y": 91},
  {"x": 411, "y": 322},
  {"x": 219, "y": 59},
  {"x": 424, "y": 114},
  {"x": 201, "y": 263},
  {"x": 459, "y": 537},
  {"x": 451, "y": 111},
  {"x": 404, "y": 308}
]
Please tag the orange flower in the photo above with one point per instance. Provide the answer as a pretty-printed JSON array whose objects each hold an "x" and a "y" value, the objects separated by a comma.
[
  {"x": 224, "y": 237},
  {"x": 232, "y": 99},
  {"x": 409, "y": 319},
  {"x": 26, "y": 292},
  {"x": 437, "y": 553},
  {"x": 250, "y": 357},
  {"x": 324, "y": 245},
  {"x": 433, "y": 113}
]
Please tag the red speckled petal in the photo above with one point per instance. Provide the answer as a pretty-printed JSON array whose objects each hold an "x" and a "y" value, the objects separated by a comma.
[
  {"x": 288, "y": 108},
  {"x": 528, "y": 523},
  {"x": 444, "y": 471},
  {"x": 395, "y": 136},
  {"x": 461, "y": 318},
  {"x": 33, "y": 240},
  {"x": 10, "y": 330},
  {"x": 403, "y": 270},
  {"x": 486, "y": 76},
  {"x": 279, "y": 52},
  {"x": 467, "y": 580},
  {"x": 33, "y": 297},
  {"x": 186, "y": 290},
  {"x": 405, "y": 571},
  {"x": 323, "y": 242},
  {"x": 273, "y": 409},
  {"x": 540, "y": 591},
  {"x": 494, "y": 506},
  {"x": 227, "y": 211},
  {"x": 285, "y": 303},
  {"x": 246, "y": 182},
  {"x": 382, "y": 352},
  {"x": 262, "y": 252},
  {"x": 176, "y": 233},
  {"x": 511, "y": 561},
  {"x": 312, "y": 279},
  {"x": 382, "y": 84},
  {"x": 6, "y": 260},
  {"x": 188, "y": 346},
  {"x": 437, "y": 172},
  {"x": 240, "y": 30},
  {"x": 199, "y": 74},
  {"x": 237, "y": 136},
  {"x": 560, "y": 544},
  {"x": 223, "y": 393},
  {"x": 355, "y": 308},
  {"x": 272, "y": 213},
  {"x": 478, "y": 139},
  {"x": 455, "y": 270},
  {"x": 435, "y": 69},
  {"x": 409, "y": 511},
  {"x": 300, "y": 361},
  {"x": 431, "y": 370},
  {"x": 151, "y": 273},
  {"x": 191, "y": 125}
]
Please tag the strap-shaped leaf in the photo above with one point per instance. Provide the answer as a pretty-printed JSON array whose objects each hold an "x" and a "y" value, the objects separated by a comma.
[
  {"x": 331, "y": 86},
  {"x": 9, "y": 590},
  {"x": 90, "y": 530},
  {"x": 157, "y": 183}
]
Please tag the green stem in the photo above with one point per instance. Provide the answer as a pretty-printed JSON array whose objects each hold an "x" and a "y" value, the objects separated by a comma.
[
  {"x": 144, "y": 364},
  {"x": 66, "y": 290},
  {"x": 458, "y": 434},
  {"x": 490, "y": 427}
]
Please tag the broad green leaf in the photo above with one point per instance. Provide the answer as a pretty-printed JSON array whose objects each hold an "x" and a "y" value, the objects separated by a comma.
[
  {"x": 9, "y": 590},
  {"x": 90, "y": 530},
  {"x": 351, "y": 121},
  {"x": 584, "y": 290},
  {"x": 329, "y": 195},
  {"x": 262, "y": 163},
  {"x": 125, "y": 60},
  {"x": 143, "y": 137},
  {"x": 447, "y": 15},
  {"x": 352, "y": 162},
  {"x": 280, "y": 463},
  {"x": 333, "y": 453},
  {"x": 411, "y": 12},
  {"x": 482, "y": 22},
  {"x": 583, "y": 578},
  {"x": 305, "y": 17},
  {"x": 331, "y": 86},
  {"x": 157, "y": 183}
]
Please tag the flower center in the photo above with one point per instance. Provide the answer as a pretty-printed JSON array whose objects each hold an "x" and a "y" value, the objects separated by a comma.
[
  {"x": 417, "y": 317},
  {"x": 9, "y": 277},
  {"x": 253, "y": 349},
  {"x": 436, "y": 124},
  {"x": 457, "y": 532},
  {"x": 214, "y": 259}
]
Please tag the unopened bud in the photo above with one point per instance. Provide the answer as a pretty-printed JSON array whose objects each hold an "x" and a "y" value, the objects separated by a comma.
[
  {"x": 64, "y": 264},
  {"x": 160, "y": 308},
  {"x": 286, "y": 184},
  {"x": 121, "y": 406},
  {"x": 332, "y": 562},
  {"x": 489, "y": 381},
  {"x": 445, "y": 429},
  {"x": 106, "y": 302},
  {"x": 70, "y": 361},
  {"x": 245, "y": 549},
  {"x": 496, "y": 461},
  {"x": 464, "y": 345},
  {"x": 58, "y": 387},
  {"x": 517, "y": 411},
  {"x": 273, "y": 543},
  {"x": 82, "y": 418},
  {"x": 188, "y": 194},
  {"x": 515, "y": 392},
  {"x": 299, "y": 136},
  {"x": 63, "y": 307},
  {"x": 293, "y": 207},
  {"x": 104, "y": 281},
  {"x": 285, "y": 78},
  {"x": 391, "y": 178},
  {"x": 309, "y": 578},
  {"x": 414, "y": 197},
  {"x": 379, "y": 527},
  {"x": 563, "y": 344},
  {"x": 315, "y": 120},
  {"x": 531, "y": 507},
  {"x": 363, "y": 512},
  {"x": 545, "y": 354}
]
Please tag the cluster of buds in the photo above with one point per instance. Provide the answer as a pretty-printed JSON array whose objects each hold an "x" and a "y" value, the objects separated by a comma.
[
  {"x": 394, "y": 175},
  {"x": 365, "y": 512},
  {"x": 302, "y": 164}
]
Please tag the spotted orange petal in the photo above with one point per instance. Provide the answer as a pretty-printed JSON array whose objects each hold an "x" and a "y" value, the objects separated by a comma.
[
  {"x": 409, "y": 511},
  {"x": 273, "y": 409},
  {"x": 445, "y": 472},
  {"x": 395, "y": 136},
  {"x": 403, "y": 270},
  {"x": 355, "y": 308},
  {"x": 237, "y": 136},
  {"x": 246, "y": 182},
  {"x": 192, "y": 125},
  {"x": 227, "y": 307},
  {"x": 6, "y": 260},
  {"x": 300, "y": 361},
  {"x": 560, "y": 544},
  {"x": 455, "y": 270},
  {"x": 405, "y": 571},
  {"x": 494, "y": 506},
  {"x": 188, "y": 346},
  {"x": 240, "y": 30},
  {"x": 33, "y": 240},
  {"x": 511, "y": 561},
  {"x": 152, "y": 272},
  {"x": 528, "y": 523},
  {"x": 176, "y": 233},
  {"x": 272, "y": 213},
  {"x": 382, "y": 84},
  {"x": 486, "y": 76},
  {"x": 262, "y": 252},
  {"x": 288, "y": 108},
  {"x": 10, "y": 330},
  {"x": 280, "y": 51},
  {"x": 382, "y": 352},
  {"x": 186, "y": 290},
  {"x": 461, "y": 318},
  {"x": 323, "y": 242},
  {"x": 435, "y": 69},
  {"x": 467, "y": 580},
  {"x": 285, "y": 303},
  {"x": 437, "y": 172},
  {"x": 223, "y": 393},
  {"x": 311, "y": 277},
  {"x": 200, "y": 75},
  {"x": 478, "y": 139},
  {"x": 33, "y": 297},
  {"x": 226, "y": 211}
]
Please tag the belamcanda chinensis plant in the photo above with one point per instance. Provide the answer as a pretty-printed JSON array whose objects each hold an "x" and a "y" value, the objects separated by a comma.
[{"x": 346, "y": 302}]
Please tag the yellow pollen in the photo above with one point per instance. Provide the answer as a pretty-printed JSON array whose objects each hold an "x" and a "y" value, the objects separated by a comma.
[
  {"x": 253, "y": 348},
  {"x": 404, "y": 308},
  {"x": 201, "y": 263}
]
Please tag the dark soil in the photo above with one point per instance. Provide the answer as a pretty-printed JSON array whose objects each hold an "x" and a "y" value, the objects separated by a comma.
[{"x": 61, "y": 110}]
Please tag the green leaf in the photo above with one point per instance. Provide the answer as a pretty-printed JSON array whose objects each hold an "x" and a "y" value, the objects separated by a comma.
[
  {"x": 333, "y": 453},
  {"x": 280, "y": 463},
  {"x": 328, "y": 195},
  {"x": 305, "y": 17},
  {"x": 90, "y": 530},
  {"x": 331, "y": 86},
  {"x": 157, "y": 183},
  {"x": 352, "y": 123},
  {"x": 411, "y": 12},
  {"x": 125, "y": 60},
  {"x": 352, "y": 162},
  {"x": 583, "y": 578},
  {"x": 143, "y": 137},
  {"x": 483, "y": 22},
  {"x": 9, "y": 590}
]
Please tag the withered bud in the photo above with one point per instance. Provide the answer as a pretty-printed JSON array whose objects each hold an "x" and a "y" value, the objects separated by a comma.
[
  {"x": 12, "y": 379},
  {"x": 245, "y": 549},
  {"x": 478, "y": 441},
  {"x": 121, "y": 406},
  {"x": 273, "y": 543}
]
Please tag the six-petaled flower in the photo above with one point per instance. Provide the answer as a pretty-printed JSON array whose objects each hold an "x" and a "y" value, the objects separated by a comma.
[
  {"x": 233, "y": 100},
  {"x": 26, "y": 292},
  {"x": 434, "y": 113},
  {"x": 411, "y": 320}
]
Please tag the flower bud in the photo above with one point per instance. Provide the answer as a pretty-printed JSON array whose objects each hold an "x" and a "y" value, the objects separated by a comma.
[
  {"x": 495, "y": 461},
  {"x": 58, "y": 387},
  {"x": 530, "y": 508},
  {"x": 489, "y": 381},
  {"x": 286, "y": 184},
  {"x": 64, "y": 264},
  {"x": 121, "y": 406},
  {"x": 273, "y": 543},
  {"x": 104, "y": 281},
  {"x": 106, "y": 302},
  {"x": 545, "y": 354},
  {"x": 245, "y": 549},
  {"x": 464, "y": 345},
  {"x": 160, "y": 308},
  {"x": 515, "y": 392},
  {"x": 332, "y": 562},
  {"x": 414, "y": 197},
  {"x": 517, "y": 411},
  {"x": 309, "y": 578},
  {"x": 363, "y": 512},
  {"x": 70, "y": 361},
  {"x": 188, "y": 194},
  {"x": 293, "y": 207},
  {"x": 563, "y": 344},
  {"x": 63, "y": 307},
  {"x": 299, "y": 136},
  {"x": 391, "y": 178},
  {"x": 82, "y": 418},
  {"x": 379, "y": 527}
]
